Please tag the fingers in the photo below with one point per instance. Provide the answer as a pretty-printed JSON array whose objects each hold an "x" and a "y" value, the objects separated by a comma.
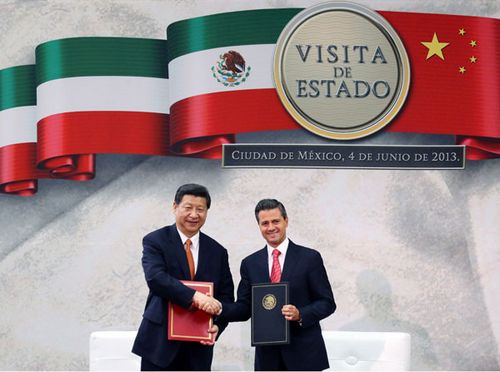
[
  {"x": 213, "y": 331},
  {"x": 206, "y": 307},
  {"x": 290, "y": 312},
  {"x": 207, "y": 343}
]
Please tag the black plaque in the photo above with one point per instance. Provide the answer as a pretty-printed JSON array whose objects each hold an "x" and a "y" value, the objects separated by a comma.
[
  {"x": 247, "y": 155},
  {"x": 269, "y": 326}
]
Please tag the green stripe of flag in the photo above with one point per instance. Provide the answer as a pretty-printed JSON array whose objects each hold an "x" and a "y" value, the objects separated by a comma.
[
  {"x": 17, "y": 87},
  {"x": 101, "y": 56},
  {"x": 247, "y": 27}
]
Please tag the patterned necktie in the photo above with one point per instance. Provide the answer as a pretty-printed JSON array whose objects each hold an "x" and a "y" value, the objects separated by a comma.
[
  {"x": 190, "y": 259},
  {"x": 276, "y": 269}
]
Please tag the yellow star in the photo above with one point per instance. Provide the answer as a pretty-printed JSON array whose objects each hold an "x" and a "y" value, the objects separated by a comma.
[
  {"x": 435, "y": 47},
  {"x": 472, "y": 59},
  {"x": 461, "y": 32},
  {"x": 461, "y": 69},
  {"x": 473, "y": 43}
]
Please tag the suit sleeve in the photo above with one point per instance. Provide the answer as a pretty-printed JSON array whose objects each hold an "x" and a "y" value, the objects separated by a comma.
[
  {"x": 323, "y": 303},
  {"x": 160, "y": 282},
  {"x": 225, "y": 294},
  {"x": 240, "y": 310}
]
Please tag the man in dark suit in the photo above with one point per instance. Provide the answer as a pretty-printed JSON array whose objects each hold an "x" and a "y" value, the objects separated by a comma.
[
  {"x": 310, "y": 293},
  {"x": 174, "y": 253}
]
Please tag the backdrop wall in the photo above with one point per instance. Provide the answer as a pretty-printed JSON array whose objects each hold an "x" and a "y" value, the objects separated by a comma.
[{"x": 410, "y": 251}]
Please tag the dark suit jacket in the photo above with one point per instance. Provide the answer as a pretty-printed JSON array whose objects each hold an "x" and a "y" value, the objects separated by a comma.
[
  {"x": 164, "y": 262},
  {"x": 309, "y": 291}
]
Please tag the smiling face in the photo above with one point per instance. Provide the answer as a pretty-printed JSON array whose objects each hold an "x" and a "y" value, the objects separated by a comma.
[
  {"x": 190, "y": 214},
  {"x": 272, "y": 226}
]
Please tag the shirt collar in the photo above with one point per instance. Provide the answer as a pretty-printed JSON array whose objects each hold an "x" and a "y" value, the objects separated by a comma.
[
  {"x": 194, "y": 239},
  {"x": 283, "y": 247}
]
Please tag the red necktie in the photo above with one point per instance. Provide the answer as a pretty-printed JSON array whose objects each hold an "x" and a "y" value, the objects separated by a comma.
[
  {"x": 276, "y": 269},
  {"x": 190, "y": 259}
]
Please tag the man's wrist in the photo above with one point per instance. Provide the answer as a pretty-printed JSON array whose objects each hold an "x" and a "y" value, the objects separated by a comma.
[{"x": 194, "y": 299}]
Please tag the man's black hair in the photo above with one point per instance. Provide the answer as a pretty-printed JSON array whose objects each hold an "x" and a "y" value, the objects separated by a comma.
[
  {"x": 192, "y": 189},
  {"x": 266, "y": 204}
]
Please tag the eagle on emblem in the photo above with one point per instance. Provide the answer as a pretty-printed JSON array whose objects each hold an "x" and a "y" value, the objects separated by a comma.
[{"x": 233, "y": 61}]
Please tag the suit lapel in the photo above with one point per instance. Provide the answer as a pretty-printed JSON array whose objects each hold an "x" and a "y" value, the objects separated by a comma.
[
  {"x": 291, "y": 259},
  {"x": 203, "y": 256},
  {"x": 178, "y": 250},
  {"x": 262, "y": 266}
]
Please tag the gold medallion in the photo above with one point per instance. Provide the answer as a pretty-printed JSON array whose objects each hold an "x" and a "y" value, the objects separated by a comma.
[
  {"x": 341, "y": 70},
  {"x": 269, "y": 302}
]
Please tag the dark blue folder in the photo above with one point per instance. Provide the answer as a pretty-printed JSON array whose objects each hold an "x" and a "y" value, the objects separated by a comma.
[{"x": 269, "y": 326}]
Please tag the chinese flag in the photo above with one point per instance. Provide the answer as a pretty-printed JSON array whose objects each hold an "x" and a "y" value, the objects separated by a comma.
[{"x": 454, "y": 82}]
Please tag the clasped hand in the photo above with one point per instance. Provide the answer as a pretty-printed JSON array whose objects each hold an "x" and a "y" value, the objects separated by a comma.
[{"x": 207, "y": 303}]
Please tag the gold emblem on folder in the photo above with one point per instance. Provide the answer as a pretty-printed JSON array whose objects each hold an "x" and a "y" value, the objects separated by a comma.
[{"x": 269, "y": 302}]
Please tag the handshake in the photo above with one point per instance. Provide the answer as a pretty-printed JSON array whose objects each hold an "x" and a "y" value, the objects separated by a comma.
[{"x": 207, "y": 303}]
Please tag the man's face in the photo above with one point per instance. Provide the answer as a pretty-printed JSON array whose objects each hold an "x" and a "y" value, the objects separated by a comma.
[
  {"x": 272, "y": 226},
  {"x": 190, "y": 214}
]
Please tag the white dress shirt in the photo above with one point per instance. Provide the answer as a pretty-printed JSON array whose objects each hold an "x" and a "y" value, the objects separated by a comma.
[
  {"x": 195, "y": 245},
  {"x": 283, "y": 247}
]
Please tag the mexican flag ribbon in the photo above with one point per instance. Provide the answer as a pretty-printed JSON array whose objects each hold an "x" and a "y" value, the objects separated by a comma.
[
  {"x": 99, "y": 95},
  {"x": 91, "y": 95},
  {"x": 204, "y": 109},
  {"x": 84, "y": 96},
  {"x": 18, "y": 172}
]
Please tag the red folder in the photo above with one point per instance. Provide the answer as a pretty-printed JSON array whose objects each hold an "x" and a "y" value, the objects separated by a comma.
[{"x": 193, "y": 324}]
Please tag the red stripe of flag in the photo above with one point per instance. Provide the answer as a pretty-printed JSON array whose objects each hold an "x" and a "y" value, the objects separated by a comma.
[
  {"x": 66, "y": 141},
  {"x": 18, "y": 174}
]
